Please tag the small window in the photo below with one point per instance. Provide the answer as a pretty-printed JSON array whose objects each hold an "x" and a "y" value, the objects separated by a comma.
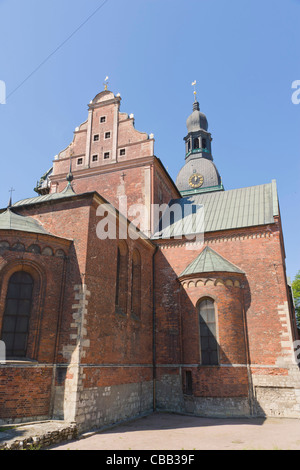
[
  {"x": 122, "y": 152},
  {"x": 95, "y": 158},
  {"x": 79, "y": 161},
  {"x": 103, "y": 119},
  {"x": 188, "y": 383},
  {"x": 96, "y": 137},
  {"x": 106, "y": 155},
  {"x": 107, "y": 135}
]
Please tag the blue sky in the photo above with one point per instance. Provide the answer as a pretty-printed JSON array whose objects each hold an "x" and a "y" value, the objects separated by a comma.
[{"x": 244, "y": 55}]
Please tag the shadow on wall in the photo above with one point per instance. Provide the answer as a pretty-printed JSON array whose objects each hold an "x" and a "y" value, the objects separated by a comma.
[{"x": 185, "y": 336}]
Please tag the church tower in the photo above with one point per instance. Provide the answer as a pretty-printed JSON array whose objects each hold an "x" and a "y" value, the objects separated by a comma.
[{"x": 199, "y": 174}]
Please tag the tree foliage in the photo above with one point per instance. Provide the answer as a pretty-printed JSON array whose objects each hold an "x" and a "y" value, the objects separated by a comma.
[{"x": 296, "y": 295}]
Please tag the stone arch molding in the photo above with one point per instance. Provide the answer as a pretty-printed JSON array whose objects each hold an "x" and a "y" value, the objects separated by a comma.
[{"x": 209, "y": 281}]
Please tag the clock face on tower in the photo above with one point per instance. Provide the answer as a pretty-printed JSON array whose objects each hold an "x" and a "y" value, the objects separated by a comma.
[{"x": 196, "y": 180}]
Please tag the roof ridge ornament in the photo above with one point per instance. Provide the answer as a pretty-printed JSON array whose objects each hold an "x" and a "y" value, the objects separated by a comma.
[
  {"x": 195, "y": 92},
  {"x": 196, "y": 106},
  {"x": 10, "y": 199},
  {"x": 105, "y": 83}
]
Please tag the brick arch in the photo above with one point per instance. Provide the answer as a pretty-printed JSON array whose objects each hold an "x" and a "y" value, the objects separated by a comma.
[{"x": 39, "y": 281}]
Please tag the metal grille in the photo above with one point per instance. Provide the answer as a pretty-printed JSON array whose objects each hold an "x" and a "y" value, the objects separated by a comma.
[
  {"x": 208, "y": 341},
  {"x": 17, "y": 312}
]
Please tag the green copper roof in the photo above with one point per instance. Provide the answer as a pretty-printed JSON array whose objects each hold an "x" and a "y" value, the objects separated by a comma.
[
  {"x": 11, "y": 221},
  {"x": 221, "y": 210},
  {"x": 209, "y": 261},
  {"x": 67, "y": 192}
]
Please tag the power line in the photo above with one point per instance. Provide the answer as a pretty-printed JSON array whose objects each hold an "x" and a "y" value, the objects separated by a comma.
[{"x": 57, "y": 49}]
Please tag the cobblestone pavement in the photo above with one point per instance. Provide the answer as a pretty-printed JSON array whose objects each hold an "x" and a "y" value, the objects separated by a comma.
[{"x": 164, "y": 431}]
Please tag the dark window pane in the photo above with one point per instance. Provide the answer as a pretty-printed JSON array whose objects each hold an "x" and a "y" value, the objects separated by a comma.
[
  {"x": 26, "y": 291},
  {"x": 208, "y": 341},
  {"x": 13, "y": 291},
  {"x": 24, "y": 307},
  {"x": 205, "y": 358},
  {"x": 22, "y": 325},
  {"x": 11, "y": 307},
  {"x": 9, "y": 324},
  {"x": 16, "y": 316},
  {"x": 19, "y": 341}
]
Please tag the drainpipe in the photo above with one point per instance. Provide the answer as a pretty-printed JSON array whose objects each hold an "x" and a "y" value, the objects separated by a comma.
[
  {"x": 247, "y": 348},
  {"x": 153, "y": 333}
]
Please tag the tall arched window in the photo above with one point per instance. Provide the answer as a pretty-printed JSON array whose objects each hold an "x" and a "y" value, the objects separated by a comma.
[
  {"x": 208, "y": 333},
  {"x": 122, "y": 278},
  {"x": 136, "y": 284},
  {"x": 196, "y": 143},
  {"x": 204, "y": 144},
  {"x": 16, "y": 317}
]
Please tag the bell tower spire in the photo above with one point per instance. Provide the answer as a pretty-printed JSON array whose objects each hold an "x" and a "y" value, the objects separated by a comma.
[{"x": 199, "y": 174}]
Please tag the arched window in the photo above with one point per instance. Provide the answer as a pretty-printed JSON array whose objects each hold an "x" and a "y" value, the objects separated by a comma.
[
  {"x": 122, "y": 278},
  {"x": 204, "y": 144},
  {"x": 196, "y": 143},
  {"x": 136, "y": 284},
  {"x": 16, "y": 317},
  {"x": 208, "y": 334}
]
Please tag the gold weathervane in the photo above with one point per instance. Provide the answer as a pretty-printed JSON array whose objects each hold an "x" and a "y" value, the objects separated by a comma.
[
  {"x": 105, "y": 83},
  {"x": 195, "y": 93}
]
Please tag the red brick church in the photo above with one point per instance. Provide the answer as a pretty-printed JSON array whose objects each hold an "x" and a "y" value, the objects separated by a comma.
[{"x": 106, "y": 316}]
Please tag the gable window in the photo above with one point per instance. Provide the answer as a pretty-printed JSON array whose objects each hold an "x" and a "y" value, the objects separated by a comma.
[
  {"x": 107, "y": 135},
  {"x": 96, "y": 137},
  {"x": 208, "y": 333},
  {"x": 15, "y": 326},
  {"x": 103, "y": 119}
]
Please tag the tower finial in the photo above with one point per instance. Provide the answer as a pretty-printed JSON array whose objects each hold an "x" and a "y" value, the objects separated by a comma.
[
  {"x": 195, "y": 93},
  {"x": 105, "y": 83},
  {"x": 70, "y": 177},
  {"x": 10, "y": 199}
]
